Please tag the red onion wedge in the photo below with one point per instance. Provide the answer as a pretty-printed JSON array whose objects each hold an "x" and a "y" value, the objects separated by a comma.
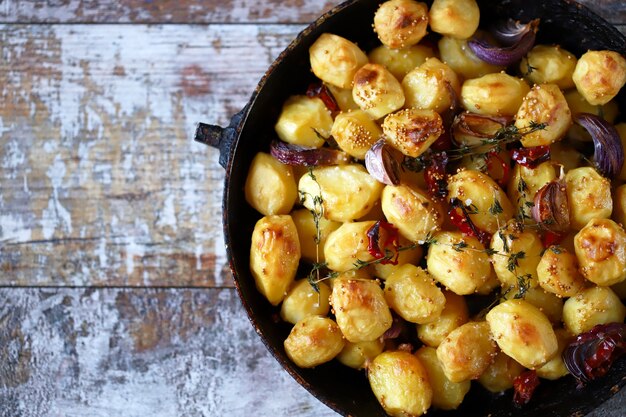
[
  {"x": 298, "y": 155},
  {"x": 519, "y": 38},
  {"x": 382, "y": 164},
  {"x": 468, "y": 129},
  {"x": 608, "y": 148}
]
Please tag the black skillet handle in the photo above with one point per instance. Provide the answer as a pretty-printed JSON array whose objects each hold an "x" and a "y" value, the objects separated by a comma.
[{"x": 219, "y": 137}]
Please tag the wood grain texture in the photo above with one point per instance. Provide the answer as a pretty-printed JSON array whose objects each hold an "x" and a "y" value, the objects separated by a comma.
[
  {"x": 100, "y": 181},
  {"x": 137, "y": 353},
  {"x": 193, "y": 11}
]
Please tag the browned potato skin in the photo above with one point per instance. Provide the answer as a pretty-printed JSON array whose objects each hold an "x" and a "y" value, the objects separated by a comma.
[
  {"x": 400, "y": 383},
  {"x": 412, "y": 131},
  {"x": 335, "y": 60},
  {"x": 544, "y": 103},
  {"x": 601, "y": 251},
  {"x": 592, "y": 306},
  {"x": 558, "y": 272},
  {"x": 447, "y": 395},
  {"x": 313, "y": 341},
  {"x": 412, "y": 293},
  {"x": 457, "y": 18},
  {"x": 360, "y": 309},
  {"x": 274, "y": 256},
  {"x": 599, "y": 75},
  {"x": 355, "y": 132},
  {"x": 401, "y": 23},
  {"x": 377, "y": 91},
  {"x": 467, "y": 351},
  {"x": 433, "y": 86},
  {"x": 589, "y": 196},
  {"x": 500, "y": 374},
  {"x": 523, "y": 332},
  {"x": 454, "y": 314}
]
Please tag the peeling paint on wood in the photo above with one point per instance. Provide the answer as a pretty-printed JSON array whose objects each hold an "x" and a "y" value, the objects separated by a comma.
[{"x": 101, "y": 183}]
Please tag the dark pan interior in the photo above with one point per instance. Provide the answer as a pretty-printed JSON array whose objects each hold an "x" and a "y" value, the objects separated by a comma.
[{"x": 343, "y": 389}]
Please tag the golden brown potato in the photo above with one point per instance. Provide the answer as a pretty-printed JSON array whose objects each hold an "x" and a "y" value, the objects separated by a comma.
[
  {"x": 412, "y": 131},
  {"x": 601, "y": 251},
  {"x": 355, "y": 132},
  {"x": 401, "y": 23},
  {"x": 400, "y": 61},
  {"x": 312, "y": 244},
  {"x": 411, "y": 211},
  {"x": 549, "y": 64},
  {"x": 458, "y": 262},
  {"x": 377, "y": 91},
  {"x": 480, "y": 193},
  {"x": 558, "y": 273},
  {"x": 555, "y": 367},
  {"x": 335, "y": 60},
  {"x": 496, "y": 94},
  {"x": 591, "y": 306},
  {"x": 360, "y": 309},
  {"x": 548, "y": 303},
  {"x": 524, "y": 184},
  {"x": 431, "y": 86},
  {"x": 331, "y": 183},
  {"x": 313, "y": 341},
  {"x": 517, "y": 252},
  {"x": 564, "y": 154},
  {"x": 456, "y": 18},
  {"x": 408, "y": 256},
  {"x": 577, "y": 104},
  {"x": 523, "y": 332},
  {"x": 500, "y": 374},
  {"x": 454, "y": 314},
  {"x": 447, "y": 395},
  {"x": 588, "y": 195},
  {"x": 270, "y": 186},
  {"x": 303, "y": 301},
  {"x": 411, "y": 292},
  {"x": 348, "y": 245},
  {"x": 359, "y": 355},
  {"x": 619, "y": 209},
  {"x": 400, "y": 383},
  {"x": 467, "y": 351},
  {"x": 543, "y": 104},
  {"x": 303, "y": 120},
  {"x": 599, "y": 75},
  {"x": 274, "y": 256},
  {"x": 458, "y": 56}
]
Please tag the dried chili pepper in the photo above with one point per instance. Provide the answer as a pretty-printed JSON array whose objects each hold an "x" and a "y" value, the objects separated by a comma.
[
  {"x": 464, "y": 223},
  {"x": 524, "y": 386},
  {"x": 531, "y": 157},
  {"x": 320, "y": 90},
  {"x": 378, "y": 246},
  {"x": 506, "y": 169},
  {"x": 435, "y": 175}
]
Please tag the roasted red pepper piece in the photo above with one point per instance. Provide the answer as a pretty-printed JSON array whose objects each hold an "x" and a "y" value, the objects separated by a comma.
[
  {"x": 435, "y": 175},
  {"x": 506, "y": 170},
  {"x": 531, "y": 157},
  {"x": 460, "y": 217},
  {"x": 524, "y": 386},
  {"x": 550, "y": 238},
  {"x": 381, "y": 236},
  {"x": 320, "y": 90}
]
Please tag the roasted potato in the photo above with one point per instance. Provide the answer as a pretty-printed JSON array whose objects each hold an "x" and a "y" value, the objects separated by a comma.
[
  {"x": 549, "y": 64},
  {"x": 447, "y": 395},
  {"x": 555, "y": 367},
  {"x": 601, "y": 251},
  {"x": 335, "y": 60},
  {"x": 304, "y": 121},
  {"x": 347, "y": 246},
  {"x": 412, "y": 131},
  {"x": 401, "y": 23},
  {"x": 433, "y": 86},
  {"x": 455, "y": 18},
  {"x": 355, "y": 132},
  {"x": 458, "y": 56},
  {"x": 377, "y": 91},
  {"x": 313, "y": 341},
  {"x": 496, "y": 94},
  {"x": 524, "y": 184},
  {"x": 592, "y": 306},
  {"x": 500, "y": 374},
  {"x": 588, "y": 195},
  {"x": 599, "y": 75},
  {"x": 400, "y": 61},
  {"x": 360, "y": 355},
  {"x": 577, "y": 104},
  {"x": 558, "y": 272},
  {"x": 545, "y": 104},
  {"x": 270, "y": 186},
  {"x": 454, "y": 314},
  {"x": 312, "y": 234},
  {"x": 303, "y": 301}
]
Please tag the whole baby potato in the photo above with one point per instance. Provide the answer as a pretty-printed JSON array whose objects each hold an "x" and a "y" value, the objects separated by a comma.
[
  {"x": 304, "y": 121},
  {"x": 377, "y": 91},
  {"x": 549, "y": 64},
  {"x": 412, "y": 131},
  {"x": 499, "y": 376},
  {"x": 497, "y": 94},
  {"x": 433, "y": 86},
  {"x": 313, "y": 340},
  {"x": 303, "y": 301},
  {"x": 400, "y": 61},
  {"x": 335, "y": 60},
  {"x": 456, "y": 18},
  {"x": 588, "y": 196},
  {"x": 348, "y": 245},
  {"x": 355, "y": 132},
  {"x": 558, "y": 272},
  {"x": 599, "y": 75},
  {"x": 454, "y": 314},
  {"x": 400, "y": 382},
  {"x": 312, "y": 234},
  {"x": 359, "y": 355},
  {"x": 601, "y": 251},
  {"x": 270, "y": 186},
  {"x": 459, "y": 56},
  {"x": 546, "y": 104},
  {"x": 401, "y": 23},
  {"x": 590, "y": 307},
  {"x": 447, "y": 395}
]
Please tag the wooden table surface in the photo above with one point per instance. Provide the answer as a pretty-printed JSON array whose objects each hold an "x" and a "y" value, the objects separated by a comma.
[{"x": 116, "y": 298}]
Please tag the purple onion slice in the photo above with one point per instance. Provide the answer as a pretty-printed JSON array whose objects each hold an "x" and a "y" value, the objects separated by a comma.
[
  {"x": 382, "y": 164},
  {"x": 608, "y": 148},
  {"x": 519, "y": 38},
  {"x": 298, "y": 155}
]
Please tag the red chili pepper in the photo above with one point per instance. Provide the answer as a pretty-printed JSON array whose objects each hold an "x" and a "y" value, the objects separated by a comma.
[
  {"x": 550, "y": 238},
  {"x": 524, "y": 386},
  {"x": 531, "y": 157},
  {"x": 506, "y": 169},
  {"x": 320, "y": 90},
  {"x": 464, "y": 223},
  {"x": 380, "y": 250},
  {"x": 435, "y": 175}
]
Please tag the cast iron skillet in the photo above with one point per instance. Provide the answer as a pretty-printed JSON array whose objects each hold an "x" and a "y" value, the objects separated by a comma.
[{"x": 345, "y": 390}]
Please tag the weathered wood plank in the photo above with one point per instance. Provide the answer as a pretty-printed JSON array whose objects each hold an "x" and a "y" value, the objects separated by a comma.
[
  {"x": 138, "y": 352},
  {"x": 100, "y": 182},
  {"x": 214, "y": 11},
  {"x": 163, "y": 11}
]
